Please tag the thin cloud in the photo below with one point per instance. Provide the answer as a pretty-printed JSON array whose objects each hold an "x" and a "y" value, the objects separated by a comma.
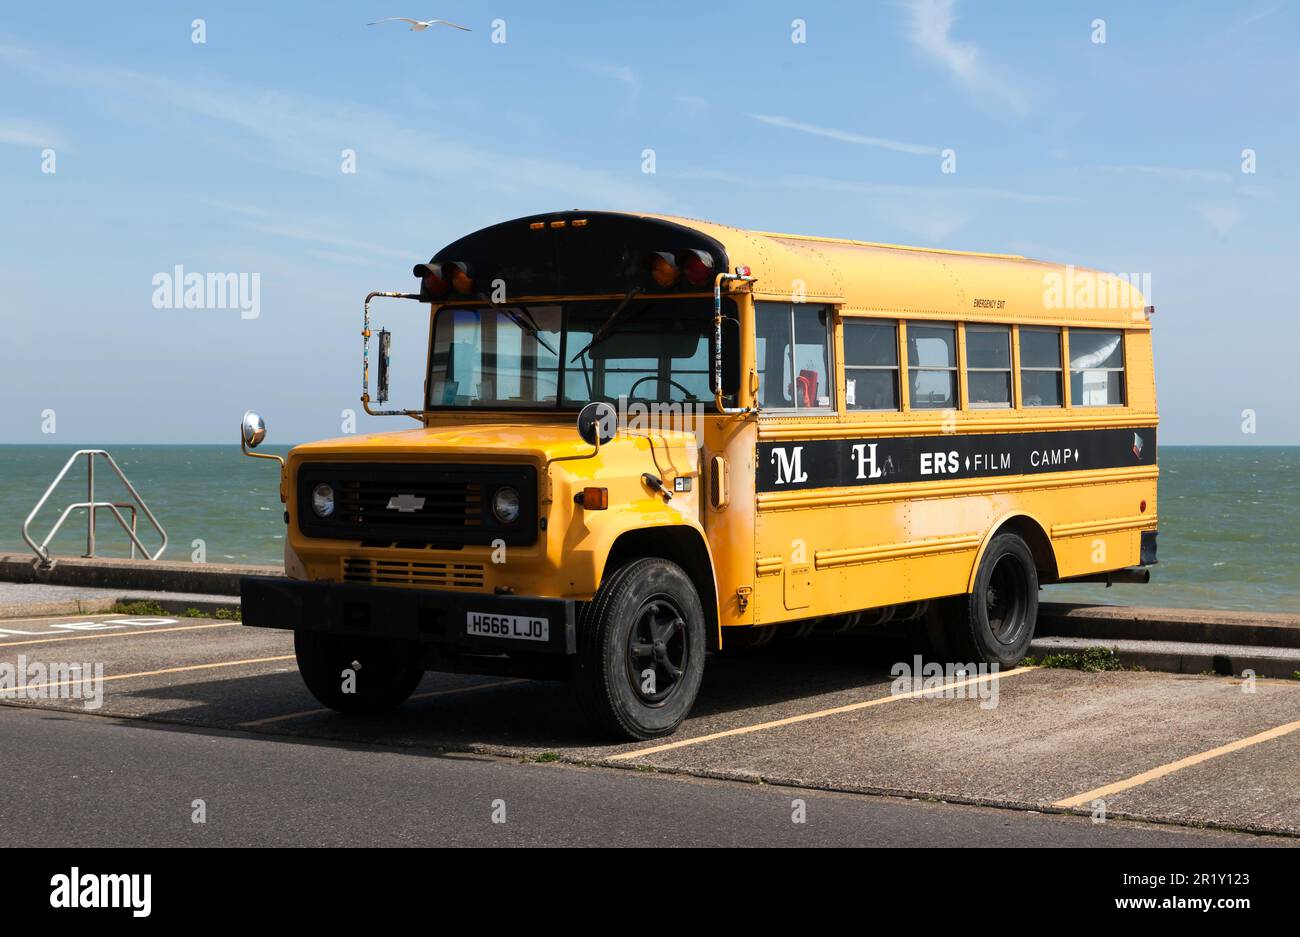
[
  {"x": 692, "y": 102},
  {"x": 305, "y": 228},
  {"x": 306, "y": 135},
  {"x": 1174, "y": 173},
  {"x": 967, "y": 192},
  {"x": 933, "y": 224},
  {"x": 623, "y": 74},
  {"x": 1256, "y": 17},
  {"x": 824, "y": 184},
  {"x": 930, "y": 24},
  {"x": 845, "y": 136},
  {"x": 1222, "y": 216},
  {"x": 19, "y": 133}
]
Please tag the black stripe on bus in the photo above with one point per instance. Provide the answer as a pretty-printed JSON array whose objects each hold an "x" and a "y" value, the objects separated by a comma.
[{"x": 884, "y": 460}]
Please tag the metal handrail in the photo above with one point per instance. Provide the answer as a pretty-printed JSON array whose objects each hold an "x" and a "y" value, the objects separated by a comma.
[{"x": 90, "y": 506}]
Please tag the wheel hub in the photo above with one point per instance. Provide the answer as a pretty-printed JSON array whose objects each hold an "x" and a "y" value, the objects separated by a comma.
[
  {"x": 657, "y": 651},
  {"x": 1004, "y": 602}
]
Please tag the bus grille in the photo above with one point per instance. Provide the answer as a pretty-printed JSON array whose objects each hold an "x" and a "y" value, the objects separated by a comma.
[
  {"x": 443, "y": 506},
  {"x": 446, "y": 504},
  {"x": 403, "y": 573}
]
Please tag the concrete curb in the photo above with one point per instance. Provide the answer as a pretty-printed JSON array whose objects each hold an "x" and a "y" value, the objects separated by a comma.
[
  {"x": 49, "y": 609},
  {"x": 134, "y": 575},
  {"x": 99, "y": 606},
  {"x": 1183, "y": 657},
  {"x": 1191, "y": 625}
]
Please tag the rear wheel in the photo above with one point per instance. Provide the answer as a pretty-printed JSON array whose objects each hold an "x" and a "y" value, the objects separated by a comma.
[
  {"x": 357, "y": 676},
  {"x": 641, "y": 650},
  {"x": 995, "y": 623}
]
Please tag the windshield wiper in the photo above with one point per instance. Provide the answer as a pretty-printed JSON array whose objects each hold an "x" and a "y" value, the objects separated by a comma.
[
  {"x": 608, "y": 326},
  {"x": 528, "y": 325}
]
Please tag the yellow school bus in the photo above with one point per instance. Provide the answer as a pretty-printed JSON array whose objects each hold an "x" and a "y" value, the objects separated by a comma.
[{"x": 645, "y": 438}]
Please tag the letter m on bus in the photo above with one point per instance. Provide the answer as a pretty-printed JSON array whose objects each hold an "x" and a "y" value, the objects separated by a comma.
[{"x": 789, "y": 465}]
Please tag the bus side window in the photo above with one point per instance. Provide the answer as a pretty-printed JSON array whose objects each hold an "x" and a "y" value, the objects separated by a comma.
[
  {"x": 988, "y": 365},
  {"x": 932, "y": 366},
  {"x": 812, "y": 385},
  {"x": 870, "y": 364},
  {"x": 798, "y": 380},
  {"x": 772, "y": 352},
  {"x": 1096, "y": 368},
  {"x": 1040, "y": 367}
]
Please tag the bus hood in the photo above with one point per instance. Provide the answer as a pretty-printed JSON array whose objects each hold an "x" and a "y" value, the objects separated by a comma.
[{"x": 490, "y": 441}]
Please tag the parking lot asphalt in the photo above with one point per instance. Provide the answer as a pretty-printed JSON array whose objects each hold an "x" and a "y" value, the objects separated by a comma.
[
  {"x": 77, "y": 780},
  {"x": 819, "y": 716}
]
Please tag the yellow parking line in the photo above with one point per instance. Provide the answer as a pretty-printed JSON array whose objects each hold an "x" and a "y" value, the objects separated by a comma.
[
  {"x": 819, "y": 714},
  {"x": 1154, "y": 773},
  {"x": 155, "y": 673},
  {"x": 118, "y": 634},
  {"x": 313, "y": 712}
]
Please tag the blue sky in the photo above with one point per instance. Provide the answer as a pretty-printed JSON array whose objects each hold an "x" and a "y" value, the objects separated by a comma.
[{"x": 226, "y": 156}]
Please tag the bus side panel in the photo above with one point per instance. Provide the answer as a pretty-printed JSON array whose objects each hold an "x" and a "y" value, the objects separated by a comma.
[
  {"x": 1141, "y": 372},
  {"x": 865, "y": 555},
  {"x": 1100, "y": 528},
  {"x": 856, "y": 556}
]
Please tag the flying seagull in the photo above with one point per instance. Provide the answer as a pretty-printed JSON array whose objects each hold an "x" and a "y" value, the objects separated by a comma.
[{"x": 418, "y": 26}]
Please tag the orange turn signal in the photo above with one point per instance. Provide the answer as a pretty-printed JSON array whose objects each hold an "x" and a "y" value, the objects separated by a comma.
[
  {"x": 593, "y": 499},
  {"x": 461, "y": 281},
  {"x": 663, "y": 269}
]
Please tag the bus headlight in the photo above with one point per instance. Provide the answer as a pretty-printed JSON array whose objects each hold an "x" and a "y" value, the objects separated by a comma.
[
  {"x": 322, "y": 500},
  {"x": 505, "y": 505}
]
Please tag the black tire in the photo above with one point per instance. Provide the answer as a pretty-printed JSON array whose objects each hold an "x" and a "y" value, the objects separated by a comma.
[
  {"x": 387, "y": 676},
  {"x": 995, "y": 623},
  {"x": 641, "y": 648}
]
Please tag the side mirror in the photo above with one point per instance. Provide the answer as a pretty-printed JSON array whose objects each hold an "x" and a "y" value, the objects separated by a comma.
[
  {"x": 730, "y": 357},
  {"x": 252, "y": 430},
  {"x": 597, "y": 420},
  {"x": 385, "y": 346}
]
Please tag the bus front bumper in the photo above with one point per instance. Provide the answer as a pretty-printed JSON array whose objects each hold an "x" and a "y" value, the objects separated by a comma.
[{"x": 465, "y": 621}]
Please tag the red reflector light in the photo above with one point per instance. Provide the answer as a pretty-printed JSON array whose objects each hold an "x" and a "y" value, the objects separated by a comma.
[
  {"x": 663, "y": 268},
  {"x": 742, "y": 271},
  {"x": 431, "y": 279},
  {"x": 698, "y": 267}
]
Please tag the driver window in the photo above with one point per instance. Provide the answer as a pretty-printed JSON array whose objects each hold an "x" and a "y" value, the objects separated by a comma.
[{"x": 800, "y": 379}]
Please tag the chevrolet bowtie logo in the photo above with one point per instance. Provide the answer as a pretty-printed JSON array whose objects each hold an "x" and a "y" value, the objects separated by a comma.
[{"x": 407, "y": 504}]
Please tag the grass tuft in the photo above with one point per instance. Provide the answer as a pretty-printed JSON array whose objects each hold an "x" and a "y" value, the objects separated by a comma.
[
  {"x": 1090, "y": 660},
  {"x": 140, "y": 607},
  {"x": 148, "y": 607}
]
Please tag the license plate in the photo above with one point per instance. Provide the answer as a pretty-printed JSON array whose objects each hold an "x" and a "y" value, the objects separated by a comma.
[{"x": 517, "y": 627}]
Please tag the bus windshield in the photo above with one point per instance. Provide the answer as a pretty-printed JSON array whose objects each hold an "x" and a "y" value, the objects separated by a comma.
[{"x": 558, "y": 355}]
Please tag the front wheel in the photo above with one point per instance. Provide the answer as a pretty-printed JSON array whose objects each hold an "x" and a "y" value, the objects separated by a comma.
[
  {"x": 641, "y": 649},
  {"x": 995, "y": 623},
  {"x": 356, "y": 676}
]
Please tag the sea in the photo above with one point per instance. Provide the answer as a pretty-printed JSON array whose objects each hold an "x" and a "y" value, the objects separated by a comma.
[{"x": 1229, "y": 517}]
